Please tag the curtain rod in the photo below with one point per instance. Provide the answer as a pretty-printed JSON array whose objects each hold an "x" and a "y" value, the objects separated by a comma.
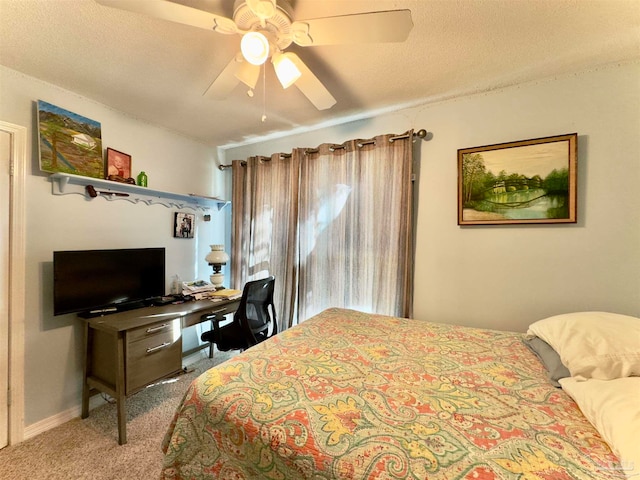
[{"x": 422, "y": 134}]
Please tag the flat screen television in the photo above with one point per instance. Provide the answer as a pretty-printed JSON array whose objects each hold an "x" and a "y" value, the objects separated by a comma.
[{"x": 96, "y": 282}]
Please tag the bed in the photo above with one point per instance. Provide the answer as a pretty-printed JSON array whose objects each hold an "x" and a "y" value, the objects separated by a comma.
[{"x": 351, "y": 395}]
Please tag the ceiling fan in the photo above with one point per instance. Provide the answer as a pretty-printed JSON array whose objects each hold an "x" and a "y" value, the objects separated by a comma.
[{"x": 267, "y": 29}]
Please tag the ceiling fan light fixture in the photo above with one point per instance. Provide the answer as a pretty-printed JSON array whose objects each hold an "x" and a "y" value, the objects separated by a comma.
[
  {"x": 286, "y": 69},
  {"x": 248, "y": 74},
  {"x": 255, "y": 48},
  {"x": 263, "y": 9}
]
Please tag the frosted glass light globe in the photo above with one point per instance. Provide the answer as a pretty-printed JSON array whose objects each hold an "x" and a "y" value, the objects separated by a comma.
[
  {"x": 255, "y": 48},
  {"x": 217, "y": 255}
]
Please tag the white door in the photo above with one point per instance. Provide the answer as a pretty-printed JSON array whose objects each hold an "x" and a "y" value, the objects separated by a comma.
[{"x": 5, "y": 149}]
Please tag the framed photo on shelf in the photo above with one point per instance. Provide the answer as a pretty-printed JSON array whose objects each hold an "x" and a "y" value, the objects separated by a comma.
[
  {"x": 527, "y": 181},
  {"x": 184, "y": 225},
  {"x": 118, "y": 165}
]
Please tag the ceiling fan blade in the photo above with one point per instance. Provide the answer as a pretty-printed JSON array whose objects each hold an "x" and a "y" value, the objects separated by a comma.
[
  {"x": 175, "y": 12},
  {"x": 310, "y": 86},
  {"x": 390, "y": 26},
  {"x": 225, "y": 82}
]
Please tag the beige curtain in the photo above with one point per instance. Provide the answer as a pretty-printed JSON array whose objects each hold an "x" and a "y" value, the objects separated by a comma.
[
  {"x": 264, "y": 227},
  {"x": 332, "y": 224}
]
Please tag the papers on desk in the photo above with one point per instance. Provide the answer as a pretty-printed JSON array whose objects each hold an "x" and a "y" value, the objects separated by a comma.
[
  {"x": 200, "y": 289},
  {"x": 226, "y": 294},
  {"x": 197, "y": 286},
  {"x": 197, "y": 289}
]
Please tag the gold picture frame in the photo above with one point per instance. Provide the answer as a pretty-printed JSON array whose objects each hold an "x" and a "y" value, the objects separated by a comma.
[{"x": 526, "y": 181}]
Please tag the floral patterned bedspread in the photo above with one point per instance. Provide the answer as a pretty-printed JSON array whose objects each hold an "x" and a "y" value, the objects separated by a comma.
[{"x": 350, "y": 395}]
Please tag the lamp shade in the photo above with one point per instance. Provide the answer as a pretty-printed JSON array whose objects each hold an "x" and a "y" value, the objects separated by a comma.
[
  {"x": 217, "y": 255},
  {"x": 286, "y": 70},
  {"x": 248, "y": 74},
  {"x": 255, "y": 48}
]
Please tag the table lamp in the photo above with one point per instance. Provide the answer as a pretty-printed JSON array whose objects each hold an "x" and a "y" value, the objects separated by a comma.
[{"x": 217, "y": 257}]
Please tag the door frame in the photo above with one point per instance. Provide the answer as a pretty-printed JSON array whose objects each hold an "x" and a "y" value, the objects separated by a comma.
[{"x": 17, "y": 285}]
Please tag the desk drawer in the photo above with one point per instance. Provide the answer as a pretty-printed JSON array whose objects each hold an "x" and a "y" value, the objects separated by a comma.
[
  {"x": 219, "y": 310},
  {"x": 165, "y": 326},
  {"x": 152, "y": 358}
]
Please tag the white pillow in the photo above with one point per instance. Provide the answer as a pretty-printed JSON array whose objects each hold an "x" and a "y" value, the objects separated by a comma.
[
  {"x": 613, "y": 408},
  {"x": 593, "y": 344}
]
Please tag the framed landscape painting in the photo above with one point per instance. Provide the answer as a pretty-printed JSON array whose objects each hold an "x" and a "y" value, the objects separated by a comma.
[
  {"x": 527, "y": 181},
  {"x": 69, "y": 143}
]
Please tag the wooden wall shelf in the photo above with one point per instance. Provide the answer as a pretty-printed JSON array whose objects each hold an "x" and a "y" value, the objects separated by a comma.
[{"x": 66, "y": 184}]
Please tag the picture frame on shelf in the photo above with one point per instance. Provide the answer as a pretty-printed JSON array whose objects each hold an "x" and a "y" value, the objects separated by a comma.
[
  {"x": 521, "y": 182},
  {"x": 184, "y": 225},
  {"x": 118, "y": 166},
  {"x": 68, "y": 142}
]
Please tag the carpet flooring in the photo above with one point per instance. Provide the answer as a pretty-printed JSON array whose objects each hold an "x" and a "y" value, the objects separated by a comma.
[{"x": 88, "y": 449}]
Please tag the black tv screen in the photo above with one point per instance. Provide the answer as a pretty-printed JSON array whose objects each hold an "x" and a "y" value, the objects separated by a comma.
[{"x": 98, "y": 281}]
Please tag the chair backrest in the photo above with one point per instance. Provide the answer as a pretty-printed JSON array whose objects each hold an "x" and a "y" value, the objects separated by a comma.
[{"x": 256, "y": 312}]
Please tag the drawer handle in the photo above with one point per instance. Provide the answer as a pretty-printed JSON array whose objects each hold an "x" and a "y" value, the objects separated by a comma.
[
  {"x": 212, "y": 314},
  {"x": 155, "y": 329},
  {"x": 159, "y": 347}
]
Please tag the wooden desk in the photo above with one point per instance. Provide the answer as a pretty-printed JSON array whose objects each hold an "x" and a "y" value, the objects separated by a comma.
[{"x": 127, "y": 351}]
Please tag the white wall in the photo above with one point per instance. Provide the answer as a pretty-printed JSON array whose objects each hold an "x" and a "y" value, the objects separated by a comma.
[
  {"x": 53, "y": 360},
  {"x": 505, "y": 277},
  {"x": 498, "y": 277}
]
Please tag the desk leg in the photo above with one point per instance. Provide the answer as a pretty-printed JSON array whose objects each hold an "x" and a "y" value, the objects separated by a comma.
[
  {"x": 88, "y": 333},
  {"x": 211, "y": 343},
  {"x": 120, "y": 392}
]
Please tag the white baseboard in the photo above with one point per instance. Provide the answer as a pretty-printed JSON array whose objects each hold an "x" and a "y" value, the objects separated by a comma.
[
  {"x": 95, "y": 401},
  {"x": 195, "y": 357},
  {"x": 58, "y": 419}
]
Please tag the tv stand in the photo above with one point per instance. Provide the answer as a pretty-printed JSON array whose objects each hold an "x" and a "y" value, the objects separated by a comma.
[{"x": 129, "y": 350}]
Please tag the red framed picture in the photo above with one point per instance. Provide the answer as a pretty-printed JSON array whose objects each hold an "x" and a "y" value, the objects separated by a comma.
[{"x": 118, "y": 165}]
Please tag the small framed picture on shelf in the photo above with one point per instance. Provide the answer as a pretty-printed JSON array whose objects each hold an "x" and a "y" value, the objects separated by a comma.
[
  {"x": 184, "y": 225},
  {"x": 117, "y": 166}
]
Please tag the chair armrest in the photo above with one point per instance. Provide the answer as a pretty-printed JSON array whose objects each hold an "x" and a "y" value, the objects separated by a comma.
[{"x": 215, "y": 318}]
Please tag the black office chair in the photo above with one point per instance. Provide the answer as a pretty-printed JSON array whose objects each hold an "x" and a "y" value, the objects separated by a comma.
[{"x": 251, "y": 322}]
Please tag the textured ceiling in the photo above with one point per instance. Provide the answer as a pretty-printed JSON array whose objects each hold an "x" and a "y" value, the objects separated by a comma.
[{"x": 156, "y": 71}]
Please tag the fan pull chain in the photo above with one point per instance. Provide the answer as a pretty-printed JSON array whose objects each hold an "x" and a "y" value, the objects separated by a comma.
[{"x": 264, "y": 94}]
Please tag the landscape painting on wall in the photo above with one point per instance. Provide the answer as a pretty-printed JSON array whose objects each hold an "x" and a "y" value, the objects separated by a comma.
[
  {"x": 528, "y": 181},
  {"x": 69, "y": 143}
]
